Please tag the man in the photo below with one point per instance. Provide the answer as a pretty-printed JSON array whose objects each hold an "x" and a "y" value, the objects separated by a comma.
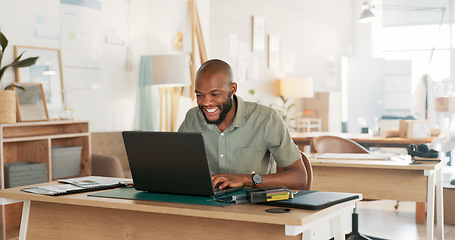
[{"x": 240, "y": 137}]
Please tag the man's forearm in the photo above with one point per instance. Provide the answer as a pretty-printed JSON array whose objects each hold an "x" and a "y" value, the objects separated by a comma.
[{"x": 291, "y": 179}]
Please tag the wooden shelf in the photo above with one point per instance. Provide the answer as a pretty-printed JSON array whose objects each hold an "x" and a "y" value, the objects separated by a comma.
[
  {"x": 43, "y": 128},
  {"x": 32, "y": 141},
  {"x": 21, "y": 139}
]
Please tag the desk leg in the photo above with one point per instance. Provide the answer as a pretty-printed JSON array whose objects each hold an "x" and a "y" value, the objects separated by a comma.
[
  {"x": 439, "y": 205},
  {"x": 421, "y": 211},
  {"x": 430, "y": 204},
  {"x": 336, "y": 225},
  {"x": 306, "y": 235},
  {"x": 24, "y": 220},
  {"x": 3, "y": 216},
  {"x": 291, "y": 230},
  {"x": 3, "y": 203},
  {"x": 334, "y": 219}
]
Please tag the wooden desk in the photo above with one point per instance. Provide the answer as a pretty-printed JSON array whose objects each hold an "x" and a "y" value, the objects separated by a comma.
[
  {"x": 33, "y": 141},
  {"x": 304, "y": 139},
  {"x": 395, "y": 180},
  {"x": 78, "y": 216}
]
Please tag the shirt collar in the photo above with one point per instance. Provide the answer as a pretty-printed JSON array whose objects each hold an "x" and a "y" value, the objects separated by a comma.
[{"x": 239, "y": 119}]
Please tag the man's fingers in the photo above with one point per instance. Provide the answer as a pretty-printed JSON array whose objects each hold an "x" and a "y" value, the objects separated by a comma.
[
  {"x": 223, "y": 181},
  {"x": 217, "y": 179},
  {"x": 224, "y": 184}
]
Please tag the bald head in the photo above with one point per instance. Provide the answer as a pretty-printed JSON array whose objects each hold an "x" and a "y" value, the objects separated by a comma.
[
  {"x": 215, "y": 91},
  {"x": 215, "y": 67}
]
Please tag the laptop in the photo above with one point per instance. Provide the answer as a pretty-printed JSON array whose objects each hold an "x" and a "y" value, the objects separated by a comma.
[
  {"x": 314, "y": 200},
  {"x": 170, "y": 162}
]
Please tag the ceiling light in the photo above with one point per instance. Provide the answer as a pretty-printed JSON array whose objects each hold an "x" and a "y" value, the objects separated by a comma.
[{"x": 367, "y": 16}]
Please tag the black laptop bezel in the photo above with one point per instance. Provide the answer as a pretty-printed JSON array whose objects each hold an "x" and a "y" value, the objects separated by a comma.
[{"x": 150, "y": 154}]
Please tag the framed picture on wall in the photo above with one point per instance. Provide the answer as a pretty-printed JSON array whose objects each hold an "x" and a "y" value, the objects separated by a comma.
[
  {"x": 259, "y": 36},
  {"x": 47, "y": 71},
  {"x": 31, "y": 104}
]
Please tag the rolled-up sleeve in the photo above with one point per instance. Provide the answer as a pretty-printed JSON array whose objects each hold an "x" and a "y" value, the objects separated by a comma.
[{"x": 279, "y": 141}]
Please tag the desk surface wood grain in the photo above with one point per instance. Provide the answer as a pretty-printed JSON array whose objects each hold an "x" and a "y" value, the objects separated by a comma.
[
  {"x": 375, "y": 179},
  {"x": 240, "y": 212},
  {"x": 364, "y": 139},
  {"x": 398, "y": 163}
]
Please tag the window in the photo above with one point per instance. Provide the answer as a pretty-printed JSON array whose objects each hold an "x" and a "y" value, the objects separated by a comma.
[{"x": 415, "y": 42}]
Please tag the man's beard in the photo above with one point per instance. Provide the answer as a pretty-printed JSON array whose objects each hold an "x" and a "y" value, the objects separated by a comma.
[{"x": 225, "y": 108}]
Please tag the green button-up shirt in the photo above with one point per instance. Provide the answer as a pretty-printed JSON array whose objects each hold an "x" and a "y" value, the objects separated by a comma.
[{"x": 255, "y": 140}]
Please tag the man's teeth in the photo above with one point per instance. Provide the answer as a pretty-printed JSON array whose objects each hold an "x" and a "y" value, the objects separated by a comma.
[{"x": 211, "y": 110}]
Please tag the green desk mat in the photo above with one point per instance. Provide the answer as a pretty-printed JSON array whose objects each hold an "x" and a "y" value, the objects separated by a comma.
[{"x": 131, "y": 193}]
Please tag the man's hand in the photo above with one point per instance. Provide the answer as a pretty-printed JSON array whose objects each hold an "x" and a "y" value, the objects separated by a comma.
[
  {"x": 293, "y": 176},
  {"x": 231, "y": 180}
]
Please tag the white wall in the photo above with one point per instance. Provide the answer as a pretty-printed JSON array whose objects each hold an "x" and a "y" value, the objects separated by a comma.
[
  {"x": 317, "y": 33},
  {"x": 112, "y": 105}
]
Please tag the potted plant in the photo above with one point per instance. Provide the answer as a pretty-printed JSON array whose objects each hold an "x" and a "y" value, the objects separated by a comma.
[{"x": 7, "y": 94}]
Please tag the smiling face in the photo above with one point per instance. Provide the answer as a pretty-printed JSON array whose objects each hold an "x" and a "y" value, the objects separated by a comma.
[{"x": 214, "y": 93}]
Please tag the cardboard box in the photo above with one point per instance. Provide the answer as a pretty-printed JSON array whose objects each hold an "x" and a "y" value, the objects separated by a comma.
[
  {"x": 318, "y": 113},
  {"x": 445, "y": 104},
  {"x": 442, "y": 104},
  {"x": 449, "y": 204},
  {"x": 389, "y": 124},
  {"x": 320, "y": 101},
  {"x": 415, "y": 129}
]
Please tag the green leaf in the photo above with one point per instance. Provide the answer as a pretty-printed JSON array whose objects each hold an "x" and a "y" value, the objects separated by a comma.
[
  {"x": 24, "y": 63},
  {"x": 16, "y": 60},
  {"x": 3, "y": 41},
  {"x": 2, "y": 71}
]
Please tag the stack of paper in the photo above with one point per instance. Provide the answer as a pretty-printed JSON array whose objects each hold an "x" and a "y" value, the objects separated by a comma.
[
  {"x": 75, "y": 185},
  {"x": 355, "y": 156}
]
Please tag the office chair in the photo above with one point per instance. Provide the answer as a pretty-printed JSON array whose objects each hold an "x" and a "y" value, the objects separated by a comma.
[
  {"x": 334, "y": 144},
  {"x": 106, "y": 166},
  {"x": 309, "y": 171}
]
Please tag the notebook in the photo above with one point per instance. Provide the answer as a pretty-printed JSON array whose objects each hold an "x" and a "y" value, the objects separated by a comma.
[
  {"x": 314, "y": 200},
  {"x": 170, "y": 162},
  {"x": 76, "y": 185}
]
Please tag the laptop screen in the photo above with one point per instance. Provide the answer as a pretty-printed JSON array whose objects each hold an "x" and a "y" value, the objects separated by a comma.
[{"x": 168, "y": 162}]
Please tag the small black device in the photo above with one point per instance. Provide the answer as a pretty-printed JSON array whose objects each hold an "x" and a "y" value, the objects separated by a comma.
[
  {"x": 240, "y": 198},
  {"x": 268, "y": 194},
  {"x": 422, "y": 150},
  {"x": 255, "y": 195},
  {"x": 278, "y": 210},
  {"x": 452, "y": 181}
]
